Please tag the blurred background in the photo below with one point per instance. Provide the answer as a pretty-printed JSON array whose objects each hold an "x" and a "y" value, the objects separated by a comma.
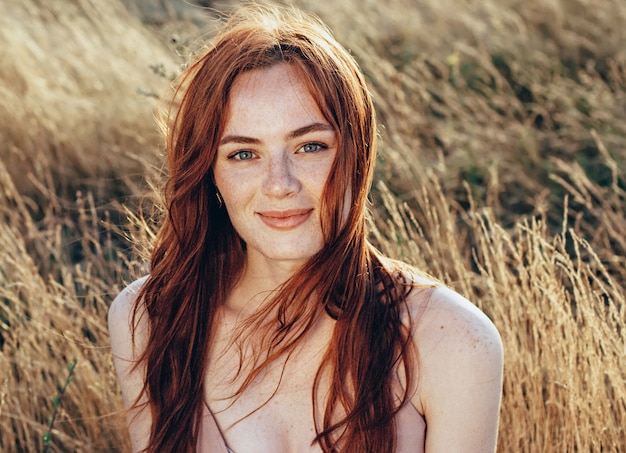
[{"x": 501, "y": 172}]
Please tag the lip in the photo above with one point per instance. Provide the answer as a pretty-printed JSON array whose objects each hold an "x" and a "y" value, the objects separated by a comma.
[{"x": 285, "y": 220}]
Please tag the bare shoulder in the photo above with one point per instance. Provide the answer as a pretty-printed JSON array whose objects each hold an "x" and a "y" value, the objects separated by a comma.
[
  {"x": 459, "y": 369},
  {"x": 127, "y": 341},
  {"x": 443, "y": 320},
  {"x": 127, "y": 345},
  {"x": 448, "y": 320},
  {"x": 120, "y": 317},
  {"x": 124, "y": 303}
]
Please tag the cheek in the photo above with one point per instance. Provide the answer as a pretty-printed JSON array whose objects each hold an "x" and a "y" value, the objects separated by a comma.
[
  {"x": 227, "y": 189},
  {"x": 237, "y": 193},
  {"x": 234, "y": 198}
]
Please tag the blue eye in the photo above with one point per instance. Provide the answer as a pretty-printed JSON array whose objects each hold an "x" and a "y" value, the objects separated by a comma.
[
  {"x": 313, "y": 147},
  {"x": 242, "y": 155}
]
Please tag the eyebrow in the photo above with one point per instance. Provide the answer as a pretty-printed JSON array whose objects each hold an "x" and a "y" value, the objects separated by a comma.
[{"x": 314, "y": 127}]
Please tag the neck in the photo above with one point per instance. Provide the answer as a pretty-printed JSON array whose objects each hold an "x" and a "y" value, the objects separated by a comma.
[{"x": 260, "y": 279}]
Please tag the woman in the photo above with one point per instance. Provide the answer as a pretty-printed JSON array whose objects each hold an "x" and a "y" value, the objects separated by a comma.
[{"x": 268, "y": 322}]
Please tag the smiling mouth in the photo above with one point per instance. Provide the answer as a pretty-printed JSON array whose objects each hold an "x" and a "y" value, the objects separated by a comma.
[{"x": 285, "y": 220}]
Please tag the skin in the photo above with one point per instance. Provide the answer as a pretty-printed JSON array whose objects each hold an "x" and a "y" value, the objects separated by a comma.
[
  {"x": 271, "y": 168},
  {"x": 272, "y": 164}
]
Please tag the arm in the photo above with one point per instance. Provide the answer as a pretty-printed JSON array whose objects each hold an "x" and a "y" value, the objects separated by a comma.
[
  {"x": 125, "y": 354},
  {"x": 460, "y": 375}
]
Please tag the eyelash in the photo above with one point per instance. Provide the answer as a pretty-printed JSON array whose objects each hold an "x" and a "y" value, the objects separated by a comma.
[
  {"x": 237, "y": 155},
  {"x": 320, "y": 147}
]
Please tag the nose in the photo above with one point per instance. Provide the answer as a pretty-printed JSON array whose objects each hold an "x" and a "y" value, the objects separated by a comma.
[{"x": 280, "y": 181}]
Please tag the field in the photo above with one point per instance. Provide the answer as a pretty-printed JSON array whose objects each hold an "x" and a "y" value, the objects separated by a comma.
[{"x": 503, "y": 149}]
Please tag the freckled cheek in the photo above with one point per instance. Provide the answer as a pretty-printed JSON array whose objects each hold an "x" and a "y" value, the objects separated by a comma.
[
  {"x": 234, "y": 188},
  {"x": 317, "y": 179},
  {"x": 236, "y": 197}
]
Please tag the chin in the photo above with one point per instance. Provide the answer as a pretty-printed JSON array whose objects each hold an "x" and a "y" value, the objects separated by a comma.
[{"x": 297, "y": 253}]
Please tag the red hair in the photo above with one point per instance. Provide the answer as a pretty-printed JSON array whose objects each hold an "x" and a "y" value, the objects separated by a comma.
[{"x": 198, "y": 256}]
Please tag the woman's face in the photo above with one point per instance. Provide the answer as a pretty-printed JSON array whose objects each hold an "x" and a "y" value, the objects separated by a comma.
[{"x": 272, "y": 164}]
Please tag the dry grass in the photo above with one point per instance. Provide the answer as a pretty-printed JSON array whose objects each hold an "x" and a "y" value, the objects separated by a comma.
[{"x": 504, "y": 142}]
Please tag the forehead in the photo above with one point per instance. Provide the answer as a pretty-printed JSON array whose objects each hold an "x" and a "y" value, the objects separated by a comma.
[{"x": 279, "y": 91}]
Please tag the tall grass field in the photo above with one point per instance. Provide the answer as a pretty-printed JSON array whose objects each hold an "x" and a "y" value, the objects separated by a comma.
[{"x": 501, "y": 172}]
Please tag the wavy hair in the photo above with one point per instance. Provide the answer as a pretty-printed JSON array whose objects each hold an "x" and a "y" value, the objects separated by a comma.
[{"x": 198, "y": 256}]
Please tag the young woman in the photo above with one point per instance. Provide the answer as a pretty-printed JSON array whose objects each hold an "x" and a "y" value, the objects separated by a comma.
[{"x": 268, "y": 322}]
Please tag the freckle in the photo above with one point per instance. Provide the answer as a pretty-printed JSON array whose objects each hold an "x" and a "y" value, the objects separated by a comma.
[{"x": 441, "y": 327}]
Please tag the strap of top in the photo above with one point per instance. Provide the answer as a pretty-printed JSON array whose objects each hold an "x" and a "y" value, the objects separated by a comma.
[{"x": 210, "y": 439}]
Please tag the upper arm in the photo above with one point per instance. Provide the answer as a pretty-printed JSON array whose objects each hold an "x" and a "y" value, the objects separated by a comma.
[
  {"x": 126, "y": 351},
  {"x": 460, "y": 375}
]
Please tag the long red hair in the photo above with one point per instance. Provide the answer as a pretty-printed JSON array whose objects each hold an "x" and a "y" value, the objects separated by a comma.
[{"x": 198, "y": 255}]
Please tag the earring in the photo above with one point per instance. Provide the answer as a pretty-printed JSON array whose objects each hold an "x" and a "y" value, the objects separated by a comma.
[{"x": 220, "y": 201}]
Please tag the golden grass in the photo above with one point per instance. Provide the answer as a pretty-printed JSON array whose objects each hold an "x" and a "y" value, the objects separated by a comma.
[{"x": 503, "y": 127}]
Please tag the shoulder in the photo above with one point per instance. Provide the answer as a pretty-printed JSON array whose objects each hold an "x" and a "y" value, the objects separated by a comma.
[
  {"x": 445, "y": 320},
  {"x": 128, "y": 342},
  {"x": 125, "y": 301},
  {"x": 459, "y": 370},
  {"x": 122, "y": 333},
  {"x": 122, "y": 308},
  {"x": 444, "y": 324},
  {"x": 442, "y": 318}
]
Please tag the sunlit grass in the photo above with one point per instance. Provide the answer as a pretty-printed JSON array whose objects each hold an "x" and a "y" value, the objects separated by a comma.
[{"x": 503, "y": 148}]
